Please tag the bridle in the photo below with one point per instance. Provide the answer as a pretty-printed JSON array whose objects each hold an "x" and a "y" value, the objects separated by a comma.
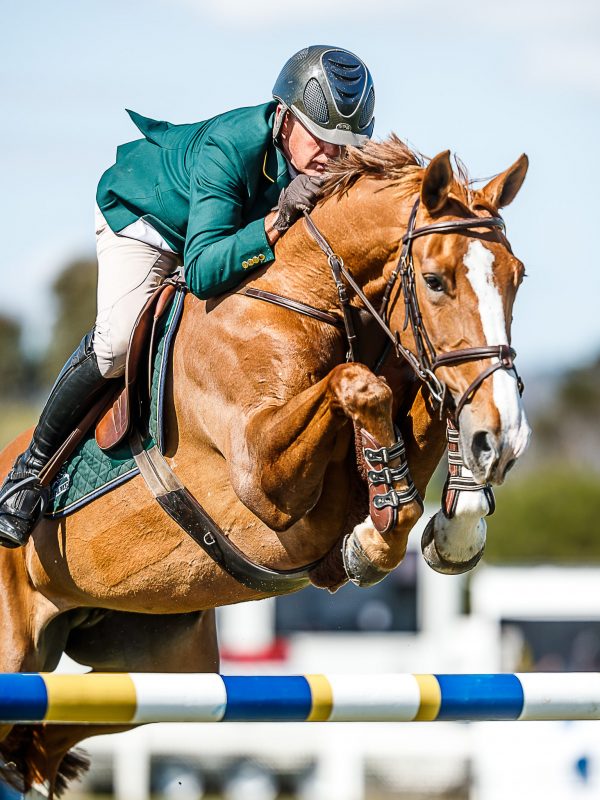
[{"x": 425, "y": 361}]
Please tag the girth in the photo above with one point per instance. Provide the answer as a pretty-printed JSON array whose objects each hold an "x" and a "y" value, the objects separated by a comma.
[{"x": 187, "y": 512}]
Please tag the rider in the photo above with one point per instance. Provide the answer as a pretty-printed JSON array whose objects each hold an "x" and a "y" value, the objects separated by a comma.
[{"x": 216, "y": 195}]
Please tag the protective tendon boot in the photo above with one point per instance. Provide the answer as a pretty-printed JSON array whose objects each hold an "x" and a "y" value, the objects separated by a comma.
[{"x": 22, "y": 499}]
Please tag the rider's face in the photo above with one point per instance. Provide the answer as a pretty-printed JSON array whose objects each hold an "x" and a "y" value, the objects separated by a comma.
[{"x": 305, "y": 152}]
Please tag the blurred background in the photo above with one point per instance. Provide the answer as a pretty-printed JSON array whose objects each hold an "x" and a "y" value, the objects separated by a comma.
[{"x": 489, "y": 81}]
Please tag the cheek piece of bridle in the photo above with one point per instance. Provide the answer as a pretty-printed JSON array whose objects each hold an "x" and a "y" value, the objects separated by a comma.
[{"x": 425, "y": 361}]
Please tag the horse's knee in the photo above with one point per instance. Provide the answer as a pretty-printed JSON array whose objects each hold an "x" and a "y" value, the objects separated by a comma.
[{"x": 357, "y": 392}]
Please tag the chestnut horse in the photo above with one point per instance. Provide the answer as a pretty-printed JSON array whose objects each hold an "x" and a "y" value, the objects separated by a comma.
[{"x": 261, "y": 412}]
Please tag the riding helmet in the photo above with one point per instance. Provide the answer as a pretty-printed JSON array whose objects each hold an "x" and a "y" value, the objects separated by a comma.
[{"x": 331, "y": 92}]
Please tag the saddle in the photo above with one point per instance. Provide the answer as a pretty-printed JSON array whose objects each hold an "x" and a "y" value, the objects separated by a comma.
[
  {"x": 114, "y": 412},
  {"x": 127, "y": 403}
]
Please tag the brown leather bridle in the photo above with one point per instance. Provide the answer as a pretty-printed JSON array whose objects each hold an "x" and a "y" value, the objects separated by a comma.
[{"x": 425, "y": 361}]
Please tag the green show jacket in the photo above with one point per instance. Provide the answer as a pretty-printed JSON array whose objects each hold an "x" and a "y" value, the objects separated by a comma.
[{"x": 205, "y": 187}]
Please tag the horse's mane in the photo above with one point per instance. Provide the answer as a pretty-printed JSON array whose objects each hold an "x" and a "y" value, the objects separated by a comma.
[{"x": 391, "y": 159}]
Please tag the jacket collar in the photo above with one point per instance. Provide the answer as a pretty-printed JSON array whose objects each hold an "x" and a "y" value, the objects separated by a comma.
[{"x": 275, "y": 167}]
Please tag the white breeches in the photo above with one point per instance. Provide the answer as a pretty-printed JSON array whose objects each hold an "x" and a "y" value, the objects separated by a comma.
[{"x": 128, "y": 273}]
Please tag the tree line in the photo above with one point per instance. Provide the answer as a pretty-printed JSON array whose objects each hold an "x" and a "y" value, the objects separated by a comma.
[{"x": 24, "y": 376}]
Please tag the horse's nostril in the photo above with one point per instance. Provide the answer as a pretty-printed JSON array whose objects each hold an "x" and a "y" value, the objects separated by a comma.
[
  {"x": 509, "y": 466},
  {"x": 481, "y": 445}
]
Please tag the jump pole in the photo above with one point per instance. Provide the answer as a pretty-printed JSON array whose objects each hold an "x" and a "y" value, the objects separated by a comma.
[{"x": 136, "y": 698}]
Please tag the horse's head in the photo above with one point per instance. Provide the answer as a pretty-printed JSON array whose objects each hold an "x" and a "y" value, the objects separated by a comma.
[{"x": 465, "y": 279}]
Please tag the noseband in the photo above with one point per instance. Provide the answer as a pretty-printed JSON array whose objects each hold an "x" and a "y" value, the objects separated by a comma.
[{"x": 425, "y": 361}]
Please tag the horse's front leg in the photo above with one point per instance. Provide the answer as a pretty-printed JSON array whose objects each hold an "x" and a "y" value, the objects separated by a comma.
[
  {"x": 453, "y": 545},
  {"x": 454, "y": 539},
  {"x": 286, "y": 451},
  {"x": 423, "y": 435}
]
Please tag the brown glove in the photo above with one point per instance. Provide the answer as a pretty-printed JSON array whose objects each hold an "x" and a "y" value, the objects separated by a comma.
[{"x": 301, "y": 195}]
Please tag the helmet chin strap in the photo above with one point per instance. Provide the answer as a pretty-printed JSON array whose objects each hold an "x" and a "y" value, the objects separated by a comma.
[{"x": 280, "y": 113}]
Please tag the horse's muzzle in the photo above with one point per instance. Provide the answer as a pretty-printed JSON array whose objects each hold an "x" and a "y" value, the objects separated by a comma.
[{"x": 490, "y": 454}]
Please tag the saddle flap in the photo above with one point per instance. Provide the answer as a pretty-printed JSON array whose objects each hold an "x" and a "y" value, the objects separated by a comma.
[
  {"x": 113, "y": 425},
  {"x": 115, "y": 422}
]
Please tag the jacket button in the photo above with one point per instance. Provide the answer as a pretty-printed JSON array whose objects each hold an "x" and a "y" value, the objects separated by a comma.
[
  {"x": 261, "y": 256},
  {"x": 245, "y": 264},
  {"x": 255, "y": 259}
]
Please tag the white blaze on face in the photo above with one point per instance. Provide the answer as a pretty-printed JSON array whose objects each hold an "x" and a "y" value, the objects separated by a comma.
[{"x": 479, "y": 261}]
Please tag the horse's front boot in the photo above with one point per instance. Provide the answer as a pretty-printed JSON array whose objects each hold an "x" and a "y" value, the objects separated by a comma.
[{"x": 22, "y": 498}]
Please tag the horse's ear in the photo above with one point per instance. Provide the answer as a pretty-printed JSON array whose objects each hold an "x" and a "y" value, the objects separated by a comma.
[
  {"x": 503, "y": 189},
  {"x": 437, "y": 182}
]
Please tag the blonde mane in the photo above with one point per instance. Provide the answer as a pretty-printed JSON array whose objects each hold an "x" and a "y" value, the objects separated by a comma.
[{"x": 391, "y": 160}]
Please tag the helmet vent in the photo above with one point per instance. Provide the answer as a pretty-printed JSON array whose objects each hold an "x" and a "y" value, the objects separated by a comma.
[
  {"x": 315, "y": 103},
  {"x": 347, "y": 78},
  {"x": 367, "y": 113}
]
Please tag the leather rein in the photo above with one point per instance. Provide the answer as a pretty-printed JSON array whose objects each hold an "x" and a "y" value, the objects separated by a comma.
[{"x": 425, "y": 361}]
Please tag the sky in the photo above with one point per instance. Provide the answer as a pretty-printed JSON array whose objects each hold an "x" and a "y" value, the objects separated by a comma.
[{"x": 486, "y": 80}]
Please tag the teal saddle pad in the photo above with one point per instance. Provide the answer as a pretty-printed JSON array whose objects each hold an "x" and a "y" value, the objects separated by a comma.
[{"x": 89, "y": 473}]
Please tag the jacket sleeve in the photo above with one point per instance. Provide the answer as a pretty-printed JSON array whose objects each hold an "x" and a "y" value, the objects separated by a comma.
[{"x": 219, "y": 250}]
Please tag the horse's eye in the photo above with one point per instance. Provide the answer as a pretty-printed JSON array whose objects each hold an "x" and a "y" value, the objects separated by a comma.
[{"x": 434, "y": 283}]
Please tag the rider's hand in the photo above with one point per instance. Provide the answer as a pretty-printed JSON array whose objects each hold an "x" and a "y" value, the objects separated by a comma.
[{"x": 301, "y": 195}]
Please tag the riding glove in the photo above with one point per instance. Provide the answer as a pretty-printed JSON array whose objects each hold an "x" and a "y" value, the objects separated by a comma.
[{"x": 301, "y": 195}]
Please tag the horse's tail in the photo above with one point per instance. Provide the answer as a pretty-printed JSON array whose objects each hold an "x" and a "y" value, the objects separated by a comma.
[{"x": 25, "y": 761}]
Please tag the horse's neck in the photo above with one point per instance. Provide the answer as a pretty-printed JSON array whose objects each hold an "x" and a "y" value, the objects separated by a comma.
[{"x": 363, "y": 228}]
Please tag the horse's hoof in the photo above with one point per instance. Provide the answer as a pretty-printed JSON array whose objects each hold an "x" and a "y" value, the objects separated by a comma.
[
  {"x": 361, "y": 571},
  {"x": 438, "y": 562}
]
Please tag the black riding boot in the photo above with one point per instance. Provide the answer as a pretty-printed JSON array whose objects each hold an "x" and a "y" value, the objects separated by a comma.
[{"x": 78, "y": 384}]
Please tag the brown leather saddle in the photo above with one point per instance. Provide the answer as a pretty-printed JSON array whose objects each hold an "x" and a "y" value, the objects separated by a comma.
[
  {"x": 114, "y": 412},
  {"x": 127, "y": 402}
]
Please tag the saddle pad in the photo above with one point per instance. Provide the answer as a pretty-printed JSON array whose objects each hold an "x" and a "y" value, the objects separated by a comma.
[{"x": 89, "y": 473}]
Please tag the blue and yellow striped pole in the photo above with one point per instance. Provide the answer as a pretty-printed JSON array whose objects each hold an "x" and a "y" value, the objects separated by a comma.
[{"x": 148, "y": 697}]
